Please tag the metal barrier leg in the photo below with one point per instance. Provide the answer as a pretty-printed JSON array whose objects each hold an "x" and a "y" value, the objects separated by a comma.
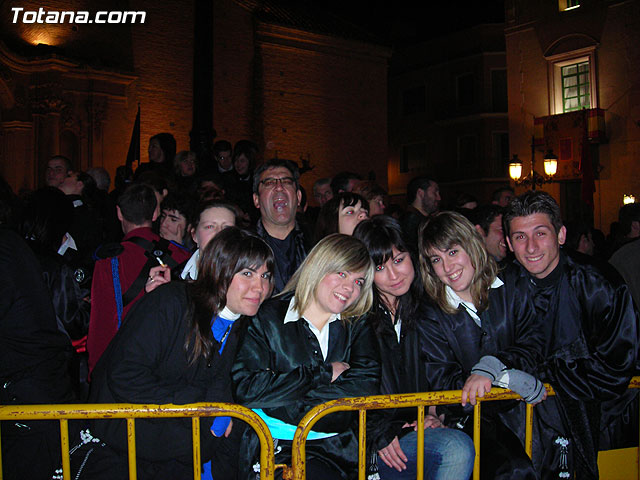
[
  {"x": 420, "y": 446},
  {"x": 476, "y": 440},
  {"x": 195, "y": 423},
  {"x": 0, "y": 457},
  {"x": 362, "y": 445},
  {"x": 528, "y": 433},
  {"x": 64, "y": 444},
  {"x": 131, "y": 442}
]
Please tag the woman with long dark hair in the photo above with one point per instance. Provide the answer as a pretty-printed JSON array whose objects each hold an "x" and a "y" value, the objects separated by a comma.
[
  {"x": 308, "y": 346},
  {"x": 480, "y": 332},
  {"x": 177, "y": 346},
  {"x": 396, "y": 317},
  {"x": 341, "y": 214}
]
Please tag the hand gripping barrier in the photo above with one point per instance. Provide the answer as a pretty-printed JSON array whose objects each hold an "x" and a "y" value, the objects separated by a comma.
[
  {"x": 419, "y": 400},
  {"x": 130, "y": 412}
]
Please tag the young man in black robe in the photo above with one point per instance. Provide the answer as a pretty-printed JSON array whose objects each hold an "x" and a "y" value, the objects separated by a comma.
[{"x": 591, "y": 331}]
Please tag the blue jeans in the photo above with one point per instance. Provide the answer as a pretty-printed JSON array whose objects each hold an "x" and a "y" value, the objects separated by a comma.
[{"x": 448, "y": 455}]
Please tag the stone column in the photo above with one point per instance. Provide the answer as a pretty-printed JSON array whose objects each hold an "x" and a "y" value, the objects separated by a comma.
[{"x": 202, "y": 132}]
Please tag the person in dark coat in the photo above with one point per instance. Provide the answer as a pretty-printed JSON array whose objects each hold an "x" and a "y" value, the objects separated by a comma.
[
  {"x": 480, "y": 332},
  {"x": 397, "y": 309},
  {"x": 177, "y": 346},
  {"x": 277, "y": 194},
  {"x": 308, "y": 346},
  {"x": 34, "y": 362},
  {"x": 591, "y": 338}
]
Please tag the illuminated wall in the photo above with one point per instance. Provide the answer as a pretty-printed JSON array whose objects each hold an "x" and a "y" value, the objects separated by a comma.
[
  {"x": 541, "y": 37},
  {"x": 295, "y": 93}
]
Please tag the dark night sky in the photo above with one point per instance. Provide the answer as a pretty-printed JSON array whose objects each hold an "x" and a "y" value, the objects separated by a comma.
[{"x": 399, "y": 22}]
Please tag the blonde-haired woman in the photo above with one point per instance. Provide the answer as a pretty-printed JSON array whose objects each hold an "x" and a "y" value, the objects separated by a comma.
[
  {"x": 308, "y": 346},
  {"x": 481, "y": 332}
]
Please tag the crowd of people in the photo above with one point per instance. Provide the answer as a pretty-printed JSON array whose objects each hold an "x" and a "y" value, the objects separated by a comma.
[{"x": 216, "y": 281}]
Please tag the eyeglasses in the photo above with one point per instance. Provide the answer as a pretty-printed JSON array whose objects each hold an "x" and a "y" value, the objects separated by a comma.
[{"x": 271, "y": 182}]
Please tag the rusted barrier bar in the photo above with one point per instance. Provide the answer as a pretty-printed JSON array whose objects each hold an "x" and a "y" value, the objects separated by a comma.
[
  {"x": 195, "y": 441},
  {"x": 130, "y": 412},
  {"x": 131, "y": 448}
]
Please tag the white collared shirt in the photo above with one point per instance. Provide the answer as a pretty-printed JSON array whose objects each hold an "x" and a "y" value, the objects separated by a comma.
[
  {"x": 191, "y": 268},
  {"x": 455, "y": 301},
  {"x": 322, "y": 335},
  {"x": 69, "y": 242}
]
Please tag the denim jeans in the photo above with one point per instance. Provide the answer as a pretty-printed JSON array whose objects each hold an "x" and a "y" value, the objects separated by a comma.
[{"x": 448, "y": 455}]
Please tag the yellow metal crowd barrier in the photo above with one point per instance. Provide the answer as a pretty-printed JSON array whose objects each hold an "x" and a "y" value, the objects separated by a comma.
[
  {"x": 63, "y": 413},
  {"x": 418, "y": 400}
]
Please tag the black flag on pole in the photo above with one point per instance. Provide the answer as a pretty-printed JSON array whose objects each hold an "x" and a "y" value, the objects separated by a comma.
[{"x": 134, "y": 145}]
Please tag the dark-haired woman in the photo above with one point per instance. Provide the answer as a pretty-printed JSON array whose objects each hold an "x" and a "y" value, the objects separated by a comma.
[
  {"x": 341, "y": 214},
  {"x": 481, "y": 332},
  {"x": 395, "y": 317},
  {"x": 176, "y": 346}
]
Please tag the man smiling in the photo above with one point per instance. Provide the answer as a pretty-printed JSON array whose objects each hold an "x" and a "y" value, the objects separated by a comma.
[
  {"x": 276, "y": 194},
  {"x": 590, "y": 330}
]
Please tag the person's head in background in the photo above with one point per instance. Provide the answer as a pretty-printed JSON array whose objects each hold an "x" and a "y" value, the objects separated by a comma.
[
  {"x": 580, "y": 237},
  {"x": 162, "y": 149},
  {"x": 185, "y": 164},
  {"x": 629, "y": 218},
  {"x": 502, "y": 196},
  {"x": 374, "y": 194},
  {"x": 210, "y": 219},
  {"x": 276, "y": 193},
  {"x": 175, "y": 211},
  {"x": 137, "y": 207},
  {"x": 322, "y": 191},
  {"x": 223, "y": 154},
  {"x": 159, "y": 185},
  {"x": 79, "y": 183},
  {"x": 423, "y": 194},
  {"x": 210, "y": 187},
  {"x": 58, "y": 168},
  {"x": 245, "y": 153},
  {"x": 341, "y": 214},
  {"x": 102, "y": 178},
  {"x": 344, "y": 182},
  {"x": 488, "y": 221}
]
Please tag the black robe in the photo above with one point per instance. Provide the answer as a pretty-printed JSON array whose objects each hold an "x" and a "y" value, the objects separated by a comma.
[
  {"x": 453, "y": 343},
  {"x": 146, "y": 363},
  {"x": 279, "y": 368},
  {"x": 402, "y": 372},
  {"x": 591, "y": 346}
]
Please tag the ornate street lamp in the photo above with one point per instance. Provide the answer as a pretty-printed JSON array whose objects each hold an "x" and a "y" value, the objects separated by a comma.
[{"x": 534, "y": 178}]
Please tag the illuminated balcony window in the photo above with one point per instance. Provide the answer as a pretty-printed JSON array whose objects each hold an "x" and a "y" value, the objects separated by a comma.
[
  {"x": 564, "y": 5},
  {"x": 576, "y": 94},
  {"x": 573, "y": 81}
]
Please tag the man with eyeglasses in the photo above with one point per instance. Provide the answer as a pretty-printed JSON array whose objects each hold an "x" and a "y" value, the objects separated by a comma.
[{"x": 277, "y": 195}]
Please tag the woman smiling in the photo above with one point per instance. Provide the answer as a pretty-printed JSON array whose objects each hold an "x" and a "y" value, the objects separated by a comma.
[
  {"x": 397, "y": 318},
  {"x": 482, "y": 332},
  {"x": 308, "y": 346}
]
